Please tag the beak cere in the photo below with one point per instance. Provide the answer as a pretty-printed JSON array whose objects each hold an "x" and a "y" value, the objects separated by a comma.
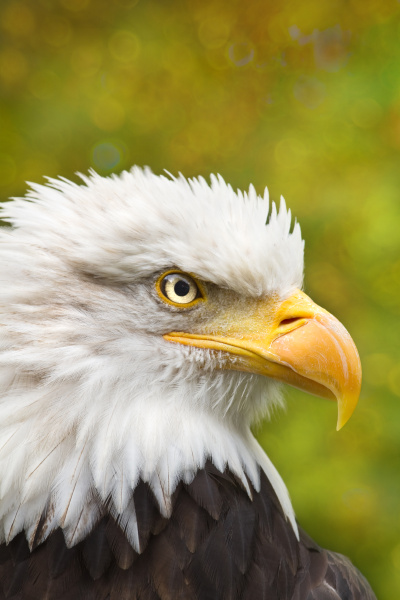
[{"x": 294, "y": 341}]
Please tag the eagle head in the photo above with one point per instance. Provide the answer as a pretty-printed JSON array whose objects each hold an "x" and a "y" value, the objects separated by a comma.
[{"x": 146, "y": 322}]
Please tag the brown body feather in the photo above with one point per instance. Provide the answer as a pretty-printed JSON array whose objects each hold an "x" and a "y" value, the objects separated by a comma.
[{"x": 218, "y": 544}]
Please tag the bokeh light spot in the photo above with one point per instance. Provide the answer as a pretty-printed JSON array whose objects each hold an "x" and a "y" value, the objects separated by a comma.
[
  {"x": 57, "y": 31},
  {"x": 214, "y": 33},
  {"x": 331, "y": 48},
  {"x": 87, "y": 58},
  {"x": 294, "y": 32},
  {"x": 18, "y": 19},
  {"x": 13, "y": 66},
  {"x": 107, "y": 156},
  {"x": 309, "y": 91},
  {"x": 241, "y": 53},
  {"x": 217, "y": 59},
  {"x": 124, "y": 46}
]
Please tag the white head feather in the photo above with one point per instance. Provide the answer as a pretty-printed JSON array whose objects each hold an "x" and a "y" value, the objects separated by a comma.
[{"x": 92, "y": 397}]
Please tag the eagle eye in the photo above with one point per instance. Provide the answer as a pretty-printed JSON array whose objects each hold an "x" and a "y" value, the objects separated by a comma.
[{"x": 179, "y": 289}]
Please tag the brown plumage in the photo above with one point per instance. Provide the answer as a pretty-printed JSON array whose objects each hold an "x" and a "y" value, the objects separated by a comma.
[{"x": 218, "y": 544}]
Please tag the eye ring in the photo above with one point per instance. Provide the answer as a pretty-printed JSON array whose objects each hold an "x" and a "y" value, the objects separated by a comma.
[{"x": 179, "y": 289}]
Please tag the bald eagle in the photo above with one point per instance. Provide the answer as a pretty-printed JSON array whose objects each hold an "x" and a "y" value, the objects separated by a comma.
[{"x": 146, "y": 323}]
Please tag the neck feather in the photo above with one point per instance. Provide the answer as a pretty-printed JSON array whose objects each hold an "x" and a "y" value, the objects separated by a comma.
[{"x": 72, "y": 478}]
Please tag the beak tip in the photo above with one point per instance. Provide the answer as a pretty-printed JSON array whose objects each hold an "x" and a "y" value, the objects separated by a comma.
[
  {"x": 341, "y": 420},
  {"x": 346, "y": 408},
  {"x": 340, "y": 424}
]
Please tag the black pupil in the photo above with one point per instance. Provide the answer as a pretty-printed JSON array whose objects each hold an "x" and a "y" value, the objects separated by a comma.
[{"x": 181, "y": 288}]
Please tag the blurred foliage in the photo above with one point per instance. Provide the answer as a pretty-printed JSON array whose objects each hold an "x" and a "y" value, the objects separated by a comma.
[{"x": 302, "y": 96}]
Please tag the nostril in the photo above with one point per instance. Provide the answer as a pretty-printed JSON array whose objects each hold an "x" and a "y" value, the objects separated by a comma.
[{"x": 290, "y": 321}]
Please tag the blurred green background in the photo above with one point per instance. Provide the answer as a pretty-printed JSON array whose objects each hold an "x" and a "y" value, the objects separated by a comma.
[{"x": 302, "y": 96}]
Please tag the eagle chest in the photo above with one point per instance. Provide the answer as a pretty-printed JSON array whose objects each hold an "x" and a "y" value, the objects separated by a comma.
[{"x": 217, "y": 544}]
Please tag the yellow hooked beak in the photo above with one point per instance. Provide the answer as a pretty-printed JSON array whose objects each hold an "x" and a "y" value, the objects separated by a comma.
[{"x": 294, "y": 341}]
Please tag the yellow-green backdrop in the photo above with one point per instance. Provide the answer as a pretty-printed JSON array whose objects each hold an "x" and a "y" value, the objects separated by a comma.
[{"x": 299, "y": 95}]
